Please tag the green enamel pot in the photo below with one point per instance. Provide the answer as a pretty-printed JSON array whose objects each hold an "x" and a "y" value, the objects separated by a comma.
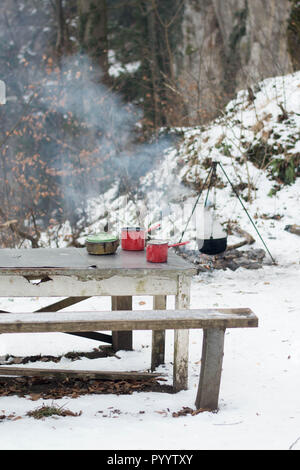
[{"x": 102, "y": 243}]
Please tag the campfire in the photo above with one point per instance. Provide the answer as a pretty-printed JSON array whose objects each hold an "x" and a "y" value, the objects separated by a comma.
[{"x": 232, "y": 259}]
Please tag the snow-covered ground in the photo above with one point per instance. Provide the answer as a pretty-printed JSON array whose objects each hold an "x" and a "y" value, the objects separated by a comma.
[{"x": 259, "y": 397}]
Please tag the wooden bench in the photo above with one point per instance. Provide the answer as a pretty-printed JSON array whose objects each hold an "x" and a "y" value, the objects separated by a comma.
[{"x": 213, "y": 322}]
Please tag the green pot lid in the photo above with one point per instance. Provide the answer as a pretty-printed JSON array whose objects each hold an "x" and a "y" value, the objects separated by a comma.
[{"x": 101, "y": 237}]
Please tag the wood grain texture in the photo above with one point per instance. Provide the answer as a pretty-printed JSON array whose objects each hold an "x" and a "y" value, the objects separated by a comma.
[
  {"x": 126, "y": 320},
  {"x": 181, "y": 337},
  {"x": 89, "y": 284},
  {"x": 158, "y": 336},
  {"x": 213, "y": 321},
  {"x": 121, "y": 340},
  {"x": 211, "y": 369},
  {"x": 91, "y": 374}
]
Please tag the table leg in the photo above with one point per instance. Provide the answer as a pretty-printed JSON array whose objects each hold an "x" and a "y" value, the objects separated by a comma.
[
  {"x": 211, "y": 368},
  {"x": 158, "y": 337},
  {"x": 181, "y": 338},
  {"x": 121, "y": 339}
]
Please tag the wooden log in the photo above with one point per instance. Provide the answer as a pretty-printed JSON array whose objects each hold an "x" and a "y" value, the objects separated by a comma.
[
  {"x": 249, "y": 240},
  {"x": 158, "y": 336},
  {"x": 211, "y": 369},
  {"x": 293, "y": 229},
  {"x": 88, "y": 374},
  {"x": 121, "y": 340}
]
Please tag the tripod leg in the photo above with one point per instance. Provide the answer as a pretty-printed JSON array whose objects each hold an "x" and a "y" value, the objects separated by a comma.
[{"x": 241, "y": 202}]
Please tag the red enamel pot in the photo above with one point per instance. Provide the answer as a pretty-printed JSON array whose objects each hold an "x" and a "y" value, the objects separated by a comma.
[
  {"x": 157, "y": 250},
  {"x": 133, "y": 238}
]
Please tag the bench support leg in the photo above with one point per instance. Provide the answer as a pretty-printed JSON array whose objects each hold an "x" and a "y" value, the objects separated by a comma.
[
  {"x": 181, "y": 338},
  {"x": 158, "y": 337},
  {"x": 211, "y": 369},
  {"x": 121, "y": 339}
]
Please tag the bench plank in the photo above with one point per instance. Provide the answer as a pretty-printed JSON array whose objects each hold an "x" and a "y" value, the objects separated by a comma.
[
  {"x": 126, "y": 320},
  {"x": 213, "y": 321}
]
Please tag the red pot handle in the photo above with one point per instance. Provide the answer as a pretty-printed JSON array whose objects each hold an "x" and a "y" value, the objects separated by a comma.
[
  {"x": 153, "y": 228},
  {"x": 178, "y": 244}
]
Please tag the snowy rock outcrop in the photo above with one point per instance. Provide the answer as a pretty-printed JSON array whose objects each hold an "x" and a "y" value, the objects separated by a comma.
[{"x": 226, "y": 45}]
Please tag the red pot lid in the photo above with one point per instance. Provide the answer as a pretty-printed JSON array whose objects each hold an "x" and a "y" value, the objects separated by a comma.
[
  {"x": 135, "y": 229},
  {"x": 158, "y": 242}
]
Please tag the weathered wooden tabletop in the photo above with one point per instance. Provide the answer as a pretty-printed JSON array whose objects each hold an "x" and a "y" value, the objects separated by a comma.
[
  {"x": 78, "y": 260},
  {"x": 73, "y": 272}
]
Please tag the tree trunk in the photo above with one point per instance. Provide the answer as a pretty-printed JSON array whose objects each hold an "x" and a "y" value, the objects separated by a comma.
[
  {"x": 93, "y": 32},
  {"x": 153, "y": 64},
  {"x": 60, "y": 38}
]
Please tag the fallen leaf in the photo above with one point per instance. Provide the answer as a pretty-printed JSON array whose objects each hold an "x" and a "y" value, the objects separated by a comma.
[
  {"x": 163, "y": 412},
  {"x": 35, "y": 396},
  {"x": 200, "y": 410},
  {"x": 186, "y": 410}
]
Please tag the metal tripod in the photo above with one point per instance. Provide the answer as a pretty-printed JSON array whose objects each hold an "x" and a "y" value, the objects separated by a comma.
[{"x": 212, "y": 174}]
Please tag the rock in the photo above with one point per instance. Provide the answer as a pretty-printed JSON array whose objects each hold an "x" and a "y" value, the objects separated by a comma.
[
  {"x": 257, "y": 254},
  {"x": 232, "y": 265},
  {"x": 244, "y": 40},
  {"x": 254, "y": 266},
  {"x": 242, "y": 261},
  {"x": 232, "y": 259}
]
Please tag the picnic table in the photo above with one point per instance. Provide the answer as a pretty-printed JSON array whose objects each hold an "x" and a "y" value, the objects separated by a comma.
[{"x": 74, "y": 275}]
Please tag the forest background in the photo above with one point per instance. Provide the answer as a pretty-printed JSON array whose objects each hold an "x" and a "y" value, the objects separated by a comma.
[{"x": 97, "y": 89}]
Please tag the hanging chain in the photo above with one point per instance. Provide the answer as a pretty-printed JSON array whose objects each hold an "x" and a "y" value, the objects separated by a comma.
[
  {"x": 213, "y": 212},
  {"x": 202, "y": 188},
  {"x": 212, "y": 183},
  {"x": 213, "y": 177}
]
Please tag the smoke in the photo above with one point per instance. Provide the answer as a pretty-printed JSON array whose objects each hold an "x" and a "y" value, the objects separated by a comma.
[
  {"x": 73, "y": 137},
  {"x": 92, "y": 135},
  {"x": 108, "y": 127}
]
